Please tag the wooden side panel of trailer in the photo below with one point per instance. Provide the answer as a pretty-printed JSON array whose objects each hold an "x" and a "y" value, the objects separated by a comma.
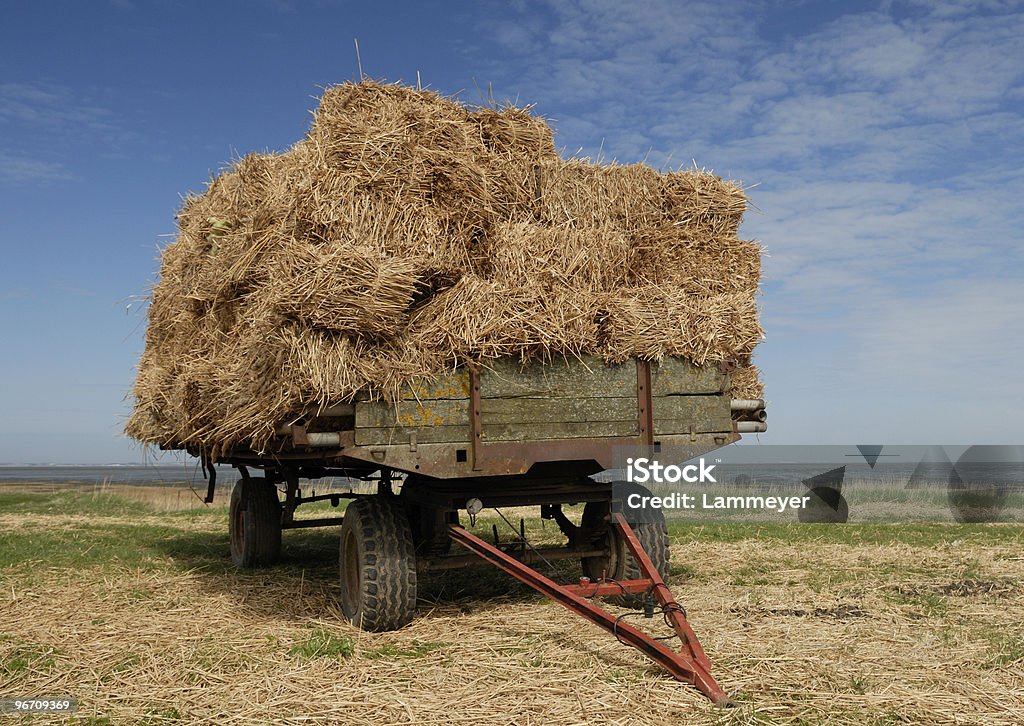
[{"x": 563, "y": 399}]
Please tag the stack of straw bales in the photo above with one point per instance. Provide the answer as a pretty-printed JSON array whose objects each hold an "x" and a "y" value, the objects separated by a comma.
[{"x": 406, "y": 234}]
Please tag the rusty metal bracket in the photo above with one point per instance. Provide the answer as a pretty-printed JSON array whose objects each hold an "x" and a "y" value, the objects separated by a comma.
[
  {"x": 644, "y": 402},
  {"x": 299, "y": 435},
  {"x": 689, "y": 665},
  {"x": 474, "y": 417}
]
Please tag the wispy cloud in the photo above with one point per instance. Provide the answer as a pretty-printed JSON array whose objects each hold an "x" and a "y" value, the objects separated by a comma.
[
  {"x": 692, "y": 78},
  {"x": 45, "y": 126},
  {"x": 25, "y": 170},
  {"x": 48, "y": 107}
]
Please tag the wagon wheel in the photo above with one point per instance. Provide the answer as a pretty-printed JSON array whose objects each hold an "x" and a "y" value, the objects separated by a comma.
[
  {"x": 377, "y": 564},
  {"x": 619, "y": 564},
  {"x": 254, "y": 523}
]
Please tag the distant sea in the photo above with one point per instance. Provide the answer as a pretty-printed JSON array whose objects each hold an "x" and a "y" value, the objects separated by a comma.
[{"x": 151, "y": 474}]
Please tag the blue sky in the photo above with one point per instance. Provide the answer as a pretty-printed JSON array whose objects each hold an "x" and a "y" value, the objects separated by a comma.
[{"x": 884, "y": 142}]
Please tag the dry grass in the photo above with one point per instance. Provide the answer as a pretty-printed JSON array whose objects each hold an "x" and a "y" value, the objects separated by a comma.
[
  {"x": 806, "y": 630},
  {"x": 407, "y": 234}
]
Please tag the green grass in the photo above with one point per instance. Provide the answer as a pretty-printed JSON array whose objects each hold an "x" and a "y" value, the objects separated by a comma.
[
  {"x": 109, "y": 538},
  {"x": 32, "y": 550},
  {"x": 156, "y": 716},
  {"x": 175, "y": 503},
  {"x": 70, "y": 502},
  {"x": 82, "y": 544},
  {"x": 623, "y": 677},
  {"x": 100, "y": 541},
  {"x": 928, "y": 603},
  {"x": 752, "y": 574},
  {"x": 1004, "y": 648},
  {"x": 322, "y": 643},
  {"x": 27, "y": 657},
  {"x": 914, "y": 534}
]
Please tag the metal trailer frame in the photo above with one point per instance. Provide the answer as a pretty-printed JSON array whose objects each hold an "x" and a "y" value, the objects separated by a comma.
[
  {"x": 689, "y": 664},
  {"x": 443, "y": 478}
]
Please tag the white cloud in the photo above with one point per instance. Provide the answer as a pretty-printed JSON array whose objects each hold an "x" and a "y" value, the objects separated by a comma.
[
  {"x": 692, "y": 78},
  {"x": 19, "y": 170}
]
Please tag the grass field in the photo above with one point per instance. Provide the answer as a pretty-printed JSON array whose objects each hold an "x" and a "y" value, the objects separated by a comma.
[{"x": 125, "y": 598}]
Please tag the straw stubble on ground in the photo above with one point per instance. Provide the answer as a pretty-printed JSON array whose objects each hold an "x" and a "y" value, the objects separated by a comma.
[{"x": 880, "y": 624}]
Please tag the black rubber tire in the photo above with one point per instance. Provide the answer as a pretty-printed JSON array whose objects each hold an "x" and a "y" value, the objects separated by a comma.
[
  {"x": 377, "y": 564},
  {"x": 254, "y": 523},
  {"x": 620, "y": 565}
]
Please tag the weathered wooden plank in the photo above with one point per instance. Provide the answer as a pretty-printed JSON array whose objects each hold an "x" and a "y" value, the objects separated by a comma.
[
  {"x": 452, "y": 385},
  {"x": 678, "y": 376},
  {"x": 589, "y": 378},
  {"x": 428, "y": 412},
  {"x": 548, "y": 410},
  {"x": 558, "y": 430},
  {"x": 706, "y": 414},
  {"x": 404, "y": 435},
  {"x": 667, "y": 427}
]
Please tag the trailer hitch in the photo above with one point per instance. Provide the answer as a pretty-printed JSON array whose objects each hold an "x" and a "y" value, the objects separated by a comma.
[{"x": 689, "y": 664}]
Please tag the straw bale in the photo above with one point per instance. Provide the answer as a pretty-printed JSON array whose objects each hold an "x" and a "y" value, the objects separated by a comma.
[
  {"x": 343, "y": 287},
  {"x": 407, "y": 234},
  {"x": 479, "y": 319},
  {"x": 700, "y": 264},
  {"x": 520, "y": 144},
  {"x": 409, "y": 143},
  {"x": 574, "y": 192},
  {"x": 565, "y": 257},
  {"x": 512, "y": 131},
  {"x": 635, "y": 196},
  {"x": 746, "y": 382},
  {"x": 654, "y": 321},
  {"x": 325, "y": 366}
]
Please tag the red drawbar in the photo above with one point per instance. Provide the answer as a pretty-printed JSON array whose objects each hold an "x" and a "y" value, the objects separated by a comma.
[{"x": 689, "y": 664}]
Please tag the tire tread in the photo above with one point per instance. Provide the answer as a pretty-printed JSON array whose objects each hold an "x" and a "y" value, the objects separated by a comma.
[{"x": 387, "y": 562}]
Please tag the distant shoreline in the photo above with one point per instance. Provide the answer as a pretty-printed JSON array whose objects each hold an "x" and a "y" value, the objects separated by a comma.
[{"x": 147, "y": 474}]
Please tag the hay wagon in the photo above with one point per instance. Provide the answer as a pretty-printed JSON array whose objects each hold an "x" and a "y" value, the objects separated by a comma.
[{"x": 498, "y": 436}]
